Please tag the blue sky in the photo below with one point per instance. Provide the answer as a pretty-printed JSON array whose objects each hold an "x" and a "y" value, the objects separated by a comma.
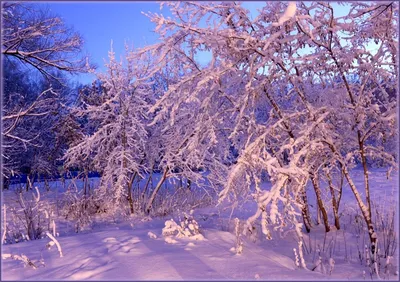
[{"x": 101, "y": 22}]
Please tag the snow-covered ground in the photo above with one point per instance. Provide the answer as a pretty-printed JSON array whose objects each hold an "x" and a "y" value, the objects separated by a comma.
[
  {"x": 126, "y": 250},
  {"x": 128, "y": 253}
]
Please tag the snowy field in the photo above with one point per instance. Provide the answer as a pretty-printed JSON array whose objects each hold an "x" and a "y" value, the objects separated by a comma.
[
  {"x": 242, "y": 143},
  {"x": 134, "y": 248}
]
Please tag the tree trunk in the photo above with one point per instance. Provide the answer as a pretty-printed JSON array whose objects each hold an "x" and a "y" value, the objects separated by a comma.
[
  {"x": 124, "y": 158},
  {"x": 29, "y": 181},
  {"x": 63, "y": 182},
  {"x": 46, "y": 184},
  {"x": 364, "y": 210},
  {"x": 335, "y": 205},
  {"x": 130, "y": 198},
  {"x": 318, "y": 220},
  {"x": 321, "y": 207},
  {"x": 147, "y": 184},
  {"x": 85, "y": 183},
  {"x": 305, "y": 212},
  {"x": 85, "y": 186},
  {"x": 371, "y": 232},
  {"x": 153, "y": 195}
]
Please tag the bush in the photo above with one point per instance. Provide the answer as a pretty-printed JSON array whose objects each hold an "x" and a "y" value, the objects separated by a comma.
[
  {"x": 188, "y": 228},
  {"x": 30, "y": 219}
]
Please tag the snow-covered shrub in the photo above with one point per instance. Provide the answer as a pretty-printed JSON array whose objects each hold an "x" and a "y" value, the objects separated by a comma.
[
  {"x": 188, "y": 228},
  {"x": 80, "y": 208},
  {"x": 191, "y": 227},
  {"x": 385, "y": 217},
  {"x": 171, "y": 228},
  {"x": 151, "y": 235},
  {"x": 29, "y": 219}
]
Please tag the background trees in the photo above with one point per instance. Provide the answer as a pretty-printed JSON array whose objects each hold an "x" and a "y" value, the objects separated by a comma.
[
  {"x": 40, "y": 40},
  {"x": 37, "y": 49}
]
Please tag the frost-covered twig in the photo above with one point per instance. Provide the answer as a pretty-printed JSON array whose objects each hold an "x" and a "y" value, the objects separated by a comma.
[
  {"x": 55, "y": 242},
  {"x": 296, "y": 257},
  {"x": 239, "y": 242},
  {"x": 302, "y": 261},
  {"x": 331, "y": 265},
  {"x": 3, "y": 238},
  {"x": 37, "y": 198},
  {"x": 22, "y": 257},
  {"x": 54, "y": 228}
]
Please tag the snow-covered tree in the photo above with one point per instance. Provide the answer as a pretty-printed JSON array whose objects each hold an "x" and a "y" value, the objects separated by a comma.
[
  {"x": 287, "y": 56},
  {"x": 117, "y": 105}
]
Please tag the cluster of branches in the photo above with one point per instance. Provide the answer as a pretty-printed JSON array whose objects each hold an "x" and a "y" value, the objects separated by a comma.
[
  {"x": 38, "y": 50},
  {"x": 299, "y": 97}
]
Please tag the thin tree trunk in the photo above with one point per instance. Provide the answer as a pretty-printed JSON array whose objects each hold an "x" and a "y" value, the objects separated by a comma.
[
  {"x": 46, "y": 184},
  {"x": 334, "y": 203},
  {"x": 130, "y": 198},
  {"x": 147, "y": 183},
  {"x": 364, "y": 209},
  {"x": 340, "y": 186},
  {"x": 365, "y": 168},
  {"x": 85, "y": 183},
  {"x": 321, "y": 207},
  {"x": 63, "y": 182},
  {"x": 305, "y": 212},
  {"x": 27, "y": 182},
  {"x": 30, "y": 180},
  {"x": 153, "y": 195}
]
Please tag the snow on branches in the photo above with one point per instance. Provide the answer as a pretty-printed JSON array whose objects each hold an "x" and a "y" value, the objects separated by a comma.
[
  {"x": 292, "y": 65},
  {"x": 116, "y": 108}
]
